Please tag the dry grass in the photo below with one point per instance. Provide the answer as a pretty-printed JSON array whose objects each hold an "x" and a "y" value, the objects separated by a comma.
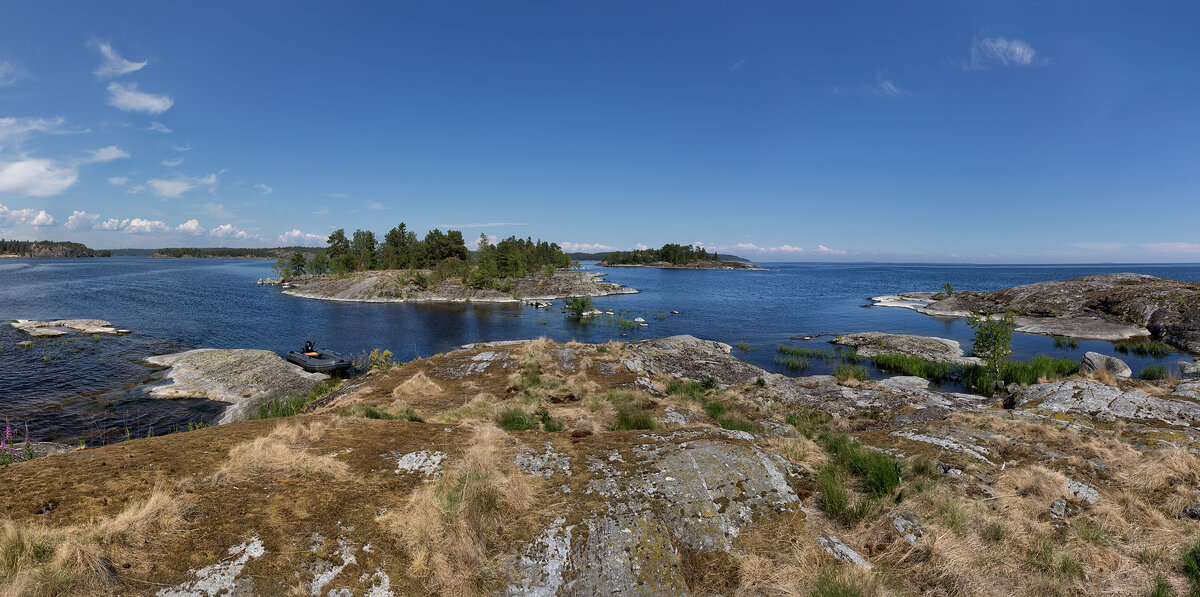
[
  {"x": 454, "y": 530},
  {"x": 279, "y": 455},
  {"x": 79, "y": 560},
  {"x": 419, "y": 385},
  {"x": 481, "y": 407}
]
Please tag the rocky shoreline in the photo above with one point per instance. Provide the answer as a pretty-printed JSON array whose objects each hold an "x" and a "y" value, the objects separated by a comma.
[
  {"x": 402, "y": 286},
  {"x": 1103, "y": 307}
]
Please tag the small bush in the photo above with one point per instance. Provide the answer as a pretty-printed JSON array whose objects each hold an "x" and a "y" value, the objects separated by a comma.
[
  {"x": 515, "y": 419},
  {"x": 576, "y": 306},
  {"x": 844, "y": 372},
  {"x": 549, "y": 423},
  {"x": 377, "y": 359},
  {"x": 1153, "y": 372},
  {"x": 629, "y": 417}
]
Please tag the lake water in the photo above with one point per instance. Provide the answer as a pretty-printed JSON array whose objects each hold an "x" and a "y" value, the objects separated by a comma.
[{"x": 80, "y": 388}]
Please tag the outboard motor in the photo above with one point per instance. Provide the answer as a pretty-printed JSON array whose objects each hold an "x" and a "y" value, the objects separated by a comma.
[{"x": 308, "y": 346}]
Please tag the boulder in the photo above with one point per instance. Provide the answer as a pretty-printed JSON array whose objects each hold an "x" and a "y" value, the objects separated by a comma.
[
  {"x": 242, "y": 377},
  {"x": 1192, "y": 368},
  {"x": 1094, "y": 361},
  {"x": 869, "y": 344}
]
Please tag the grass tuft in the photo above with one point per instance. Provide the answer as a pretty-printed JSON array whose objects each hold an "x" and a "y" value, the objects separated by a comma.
[
  {"x": 1148, "y": 348},
  {"x": 630, "y": 417},
  {"x": 880, "y": 473},
  {"x": 287, "y": 406},
  {"x": 1153, "y": 372},
  {"x": 514, "y": 419},
  {"x": 370, "y": 412}
]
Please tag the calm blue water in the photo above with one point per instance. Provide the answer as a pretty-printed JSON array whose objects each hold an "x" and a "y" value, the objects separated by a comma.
[{"x": 83, "y": 389}]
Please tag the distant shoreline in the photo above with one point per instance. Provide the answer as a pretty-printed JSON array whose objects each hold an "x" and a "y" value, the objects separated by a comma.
[{"x": 698, "y": 265}]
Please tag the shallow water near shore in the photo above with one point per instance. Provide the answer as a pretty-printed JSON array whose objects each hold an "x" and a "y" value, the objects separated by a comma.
[{"x": 83, "y": 388}]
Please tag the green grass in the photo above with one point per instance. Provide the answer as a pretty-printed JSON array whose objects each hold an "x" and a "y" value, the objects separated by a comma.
[
  {"x": 549, "y": 423},
  {"x": 1153, "y": 372},
  {"x": 370, "y": 412},
  {"x": 793, "y": 364},
  {"x": 807, "y": 421},
  {"x": 515, "y": 419},
  {"x": 1091, "y": 532},
  {"x": 836, "y": 500},
  {"x": 630, "y": 417},
  {"x": 845, "y": 371},
  {"x": 994, "y": 532},
  {"x": 690, "y": 389},
  {"x": 1070, "y": 567},
  {"x": 1066, "y": 343},
  {"x": 1191, "y": 567},
  {"x": 744, "y": 347},
  {"x": 923, "y": 467},
  {"x": 1161, "y": 588},
  {"x": 879, "y": 473},
  {"x": 1147, "y": 348},
  {"x": 829, "y": 586},
  {"x": 904, "y": 364},
  {"x": 976, "y": 377},
  {"x": 286, "y": 406}
]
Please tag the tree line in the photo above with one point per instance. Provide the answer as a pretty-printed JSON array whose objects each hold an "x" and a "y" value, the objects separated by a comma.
[
  {"x": 445, "y": 253},
  {"x": 670, "y": 253},
  {"x": 47, "y": 248}
]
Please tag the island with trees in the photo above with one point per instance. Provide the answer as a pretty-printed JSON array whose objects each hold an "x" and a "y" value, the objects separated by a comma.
[
  {"x": 47, "y": 249},
  {"x": 673, "y": 256},
  {"x": 438, "y": 267}
]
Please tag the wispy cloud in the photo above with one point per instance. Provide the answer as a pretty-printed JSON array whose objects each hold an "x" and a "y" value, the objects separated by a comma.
[
  {"x": 11, "y": 72},
  {"x": 172, "y": 162},
  {"x": 128, "y": 98},
  {"x": 36, "y": 177},
  {"x": 106, "y": 154},
  {"x": 264, "y": 189},
  {"x": 159, "y": 127},
  {"x": 15, "y": 130},
  {"x": 181, "y": 147},
  {"x": 375, "y": 205},
  {"x": 989, "y": 52},
  {"x": 1173, "y": 248},
  {"x": 482, "y": 225},
  {"x": 217, "y": 210},
  {"x": 571, "y": 247},
  {"x": 880, "y": 87},
  {"x": 113, "y": 65},
  {"x": 174, "y": 187},
  {"x": 737, "y": 64}
]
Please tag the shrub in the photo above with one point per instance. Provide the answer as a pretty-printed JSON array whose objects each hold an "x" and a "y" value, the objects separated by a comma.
[
  {"x": 576, "y": 306},
  {"x": 515, "y": 419},
  {"x": 844, "y": 372},
  {"x": 948, "y": 289},
  {"x": 993, "y": 338},
  {"x": 630, "y": 417},
  {"x": 377, "y": 359},
  {"x": 1153, "y": 372}
]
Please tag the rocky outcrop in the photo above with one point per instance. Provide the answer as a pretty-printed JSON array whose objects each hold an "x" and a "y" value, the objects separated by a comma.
[
  {"x": 1102, "y": 307},
  {"x": 689, "y": 357},
  {"x": 403, "y": 286},
  {"x": 62, "y": 327},
  {"x": 1094, "y": 361},
  {"x": 869, "y": 344},
  {"x": 244, "y": 378},
  {"x": 1108, "y": 403}
]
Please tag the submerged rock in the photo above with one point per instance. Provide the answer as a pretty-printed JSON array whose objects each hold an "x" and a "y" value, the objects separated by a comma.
[
  {"x": 1094, "y": 361},
  {"x": 869, "y": 344},
  {"x": 242, "y": 377},
  {"x": 62, "y": 327}
]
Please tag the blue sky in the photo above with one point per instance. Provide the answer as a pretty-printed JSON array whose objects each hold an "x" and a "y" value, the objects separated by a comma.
[{"x": 781, "y": 131}]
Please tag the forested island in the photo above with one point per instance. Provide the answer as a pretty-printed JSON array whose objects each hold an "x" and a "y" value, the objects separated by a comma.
[
  {"x": 47, "y": 249},
  {"x": 673, "y": 256},
  {"x": 436, "y": 268}
]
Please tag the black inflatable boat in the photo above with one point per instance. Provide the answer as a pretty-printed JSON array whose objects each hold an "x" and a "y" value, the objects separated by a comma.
[{"x": 319, "y": 360}]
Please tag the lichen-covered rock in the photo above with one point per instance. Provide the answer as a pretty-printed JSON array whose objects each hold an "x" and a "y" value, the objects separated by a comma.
[
  {"x": 62, "y": 327},
  {"x": 841, "y": 552},
  {"x": 691, "y": 358},
  {"x": 823, "y": 392},
  {"x": 869, "y": 344},
  {"x": 908, "y": 527},
  {"x": 1094, "y": 361},
  {"x": 242, "y": 377},
  {"x": 1107, "y": 402}
]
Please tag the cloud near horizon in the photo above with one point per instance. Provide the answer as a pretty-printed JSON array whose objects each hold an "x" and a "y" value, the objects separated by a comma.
[
  {"x": 571, "y": 247},
  {"x": 789, "y": 249}
]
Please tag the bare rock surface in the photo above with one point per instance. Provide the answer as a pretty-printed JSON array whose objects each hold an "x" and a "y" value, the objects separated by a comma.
[
  {"x": 1102, "y": 307},
  {"x": 1094, "y": 361},
  {"x": 930, "y": 348},
  {"x": 62, "y": 327},
  {"x": 402, "y": 286},
  {"x": 242, "y": 377},
  {"x": 823, "y": 392},
  {"x": 691, "y": 358},
  {"x": 1108, "y": 402}
]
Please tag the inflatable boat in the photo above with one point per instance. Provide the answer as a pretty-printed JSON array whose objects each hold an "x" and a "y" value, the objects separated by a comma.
[{"x": 319, "y": 360}]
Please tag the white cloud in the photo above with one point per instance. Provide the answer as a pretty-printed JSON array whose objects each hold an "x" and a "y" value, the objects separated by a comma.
[
  {"x": 113, "y": 64},
  {"x": 473, "y": 244},
  {"x": 42, "y": 219},
  {"x": 886, "y": 88},
  {"x": 15, "y": 130},
  {"x": 828, "y": 251},
  {"x": 264, "y": 189},
  {"x": 571, "y": 247},
  {"x": 294, "y": 237},
  {"x": 191, "y": 227},
  {"x": 375, "y": 205},
  {"x": 119, "y": 181},
  {"x": 787, "y": 249},
  {"x": 135, "y": 189},
  {"x": 106, "y": 154},
  {"x": 171, "y": 163},
  {"x": 229, "y": 231},
  {"x": 36, "y": 177},
  {"x": 13, "y": 217},
  {"x": 181, "y": 147},
  {"x": 217, "y": 210},
  {"x": 159, "y": 127},
  {"x": 173, "y": 188},
  {"x": 987, "y": 52},
  {"x": 1173, "y": 247},
  {"x": 482, "y": 225},
  {"x": 81, "y": 220},
  {"x": 170, "y": 188},
  {"x": 641, "y": 246},
  {"x": 11, "y": 72},
  {"x": 128, "y": 98},
  {"x": 140, "y": 226},
  {"x": 111, "y": 224}
]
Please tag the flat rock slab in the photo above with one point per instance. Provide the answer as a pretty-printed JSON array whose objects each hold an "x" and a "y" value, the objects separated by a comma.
[
  {"x": 930, "y": 348},
  {"x": 62, "y": 327},
  {"x": 242, "y": 377},
  {"x": 691, "y": 358},
  {"x": 1108, "y": 402}
]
